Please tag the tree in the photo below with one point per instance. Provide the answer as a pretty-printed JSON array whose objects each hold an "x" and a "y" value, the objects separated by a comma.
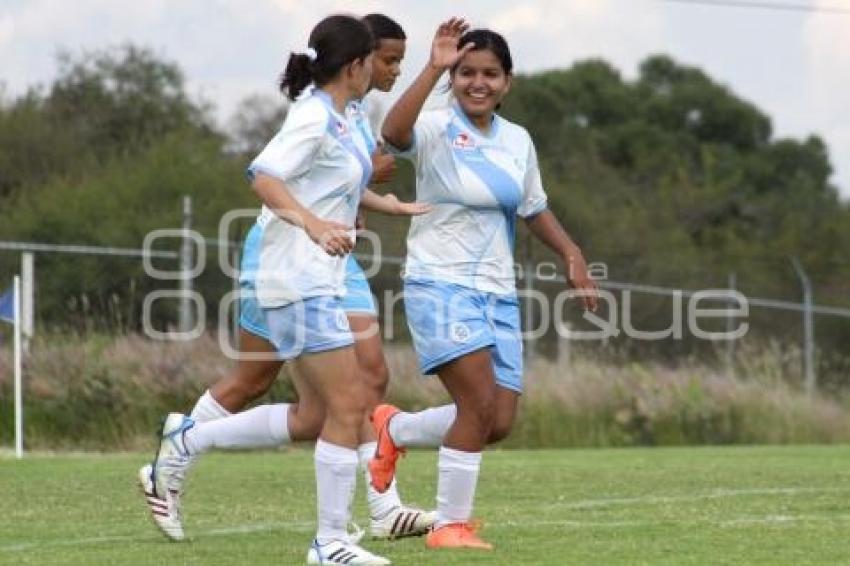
[
  {"x": 102, "y": 104},
  {"x": 122, "y": 97},
  {"x": 256, "y": 120}
]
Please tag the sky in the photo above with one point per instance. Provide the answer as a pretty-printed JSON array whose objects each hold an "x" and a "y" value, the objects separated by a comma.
[{"x": 793, "y": 64}]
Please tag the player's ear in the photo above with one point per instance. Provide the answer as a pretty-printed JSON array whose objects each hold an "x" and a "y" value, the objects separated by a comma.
[{"x": 509, "y": 79}]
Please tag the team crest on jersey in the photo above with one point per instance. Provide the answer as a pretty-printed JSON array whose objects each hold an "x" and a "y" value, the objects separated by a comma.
[
  {"x": 463, "y": 141},
  {"x": 341, "y": 128}
]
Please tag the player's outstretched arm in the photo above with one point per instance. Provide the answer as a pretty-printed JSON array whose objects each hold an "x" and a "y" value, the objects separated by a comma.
[
  {"x": 548, "y": 230},
  {"x": 398, "y": 125},
  {"x": 389, "y": 204}
]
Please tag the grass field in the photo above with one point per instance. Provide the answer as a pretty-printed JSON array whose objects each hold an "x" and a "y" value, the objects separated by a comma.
[{"x": 740, "y": 505}]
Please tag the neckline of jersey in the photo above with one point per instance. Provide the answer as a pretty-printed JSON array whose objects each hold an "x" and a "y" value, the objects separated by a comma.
[
  {"x": 328, "y": 101},
  {"x": 494, "y": 127}
]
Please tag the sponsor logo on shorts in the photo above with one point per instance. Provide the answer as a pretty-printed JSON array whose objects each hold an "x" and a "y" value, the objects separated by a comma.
[{"x": 459, "y": 332}]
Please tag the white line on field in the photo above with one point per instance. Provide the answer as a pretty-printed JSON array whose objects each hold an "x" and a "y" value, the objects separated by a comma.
[
  {"x": 739, "y": 521},
  {"x": 306, "y": 526},
  {"x": 778, "y": 519},
  {"x": 243, "y": 529},
  {"x": 714, "y": 494}
]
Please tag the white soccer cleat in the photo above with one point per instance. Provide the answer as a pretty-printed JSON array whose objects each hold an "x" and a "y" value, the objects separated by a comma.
[
  {"x": 339, "y": 552},
  {"x": 168, "y": 522},
  {"x": 162, "y": 481},
  {"x": 403, "y": 522}
]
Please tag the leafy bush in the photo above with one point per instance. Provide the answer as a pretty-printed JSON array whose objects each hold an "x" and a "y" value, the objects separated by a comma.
[{"x": 109, "y": 393}]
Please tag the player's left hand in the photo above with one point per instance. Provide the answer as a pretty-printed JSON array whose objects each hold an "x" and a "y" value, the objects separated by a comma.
[
  {"x": 407, "y": 208},
  {"x": 580, "y": 280}
]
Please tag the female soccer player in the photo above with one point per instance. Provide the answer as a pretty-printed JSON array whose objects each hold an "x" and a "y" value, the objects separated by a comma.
[
  {"x": 271, "y": 425},
  {"x": 310, "y": 178},
  {"x": 480, "y": 172}
]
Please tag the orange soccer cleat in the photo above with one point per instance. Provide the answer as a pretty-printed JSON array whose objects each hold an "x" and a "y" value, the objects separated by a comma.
[
  {"x": 382, "y": 464},
  {"x": 457, "y": 535}
]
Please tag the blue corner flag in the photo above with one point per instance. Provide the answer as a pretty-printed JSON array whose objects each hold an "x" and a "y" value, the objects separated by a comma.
[{"x": 7, "y": 306}]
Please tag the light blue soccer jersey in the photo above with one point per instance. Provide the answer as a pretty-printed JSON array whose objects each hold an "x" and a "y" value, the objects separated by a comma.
[
  {"x": 478, "y": 185},
  {"x": 358, "y": 297},
  {"x": 326, "y": 165},
  {"x": 357, "y": 112}
]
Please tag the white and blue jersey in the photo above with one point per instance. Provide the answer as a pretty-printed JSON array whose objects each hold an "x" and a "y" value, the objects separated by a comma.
[
  {"x": 358, "y": 297},
  {"x": 326, "y": 166},
  {"x": 478, "y": 185},
  {"x": 460, "y": 289},
  {"x": 358, "y": 114}
]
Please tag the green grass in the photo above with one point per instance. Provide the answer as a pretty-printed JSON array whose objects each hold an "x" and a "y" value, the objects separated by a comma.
[{"x": 732, "y": 505}]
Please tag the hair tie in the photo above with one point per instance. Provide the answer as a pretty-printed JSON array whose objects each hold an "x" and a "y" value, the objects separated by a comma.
[{"x": 311, "y": 54}]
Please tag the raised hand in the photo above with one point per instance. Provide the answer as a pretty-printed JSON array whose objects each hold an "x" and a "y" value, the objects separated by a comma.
[{"x": 444, "y": 51}]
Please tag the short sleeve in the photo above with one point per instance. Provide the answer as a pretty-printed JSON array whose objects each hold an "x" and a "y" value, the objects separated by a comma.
[
  {"x": 291, "y": 152},
  {"x": 426, "y": 132},
  {"x": 534, "y": 199}
]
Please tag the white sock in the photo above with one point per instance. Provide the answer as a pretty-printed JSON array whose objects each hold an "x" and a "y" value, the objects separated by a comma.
[
  {"x": 380, "y": 504},
  {"x": 456, "y": 485},
  {"x": 208, "y": 409},
  {"x": 425, "y": 428},
  {"x": 261, "y": 427},
  {"x": 336, "y": 479}
]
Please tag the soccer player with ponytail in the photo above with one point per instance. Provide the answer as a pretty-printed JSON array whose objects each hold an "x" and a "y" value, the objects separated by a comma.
[{"x": 310, "y": 178}]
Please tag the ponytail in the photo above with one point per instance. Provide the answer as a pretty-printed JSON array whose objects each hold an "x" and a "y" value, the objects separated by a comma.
[
  {"x": 335, "y": 42},
  {"x": 297, "y": 75}
]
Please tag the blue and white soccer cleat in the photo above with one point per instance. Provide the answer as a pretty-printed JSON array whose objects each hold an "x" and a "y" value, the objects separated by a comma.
[
  {"x": 339, "y": 552},
  {"x": 162, "y": 480},
  {"x": 403, "y": 522}
]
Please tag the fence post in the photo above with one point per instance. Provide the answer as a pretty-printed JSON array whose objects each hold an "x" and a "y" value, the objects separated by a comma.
[
  {"x": 19, "y": 386},
  {"x": 730, "y": 327},
  {"x": 27, "y": 299},
  {"x": 185, "y": 323},
  {"x": 810, "y": 380}
]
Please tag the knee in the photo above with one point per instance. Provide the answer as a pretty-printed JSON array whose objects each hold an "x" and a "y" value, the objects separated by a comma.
[
  {"x": 480, "y": 413},
  {"x": 310, "y": 420},
  {"x": 253, "y": 385},
  {"x": 500, "y": 430},
  {"x": 348, "y": 408},
  {"x": 256, "y": 389}
]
